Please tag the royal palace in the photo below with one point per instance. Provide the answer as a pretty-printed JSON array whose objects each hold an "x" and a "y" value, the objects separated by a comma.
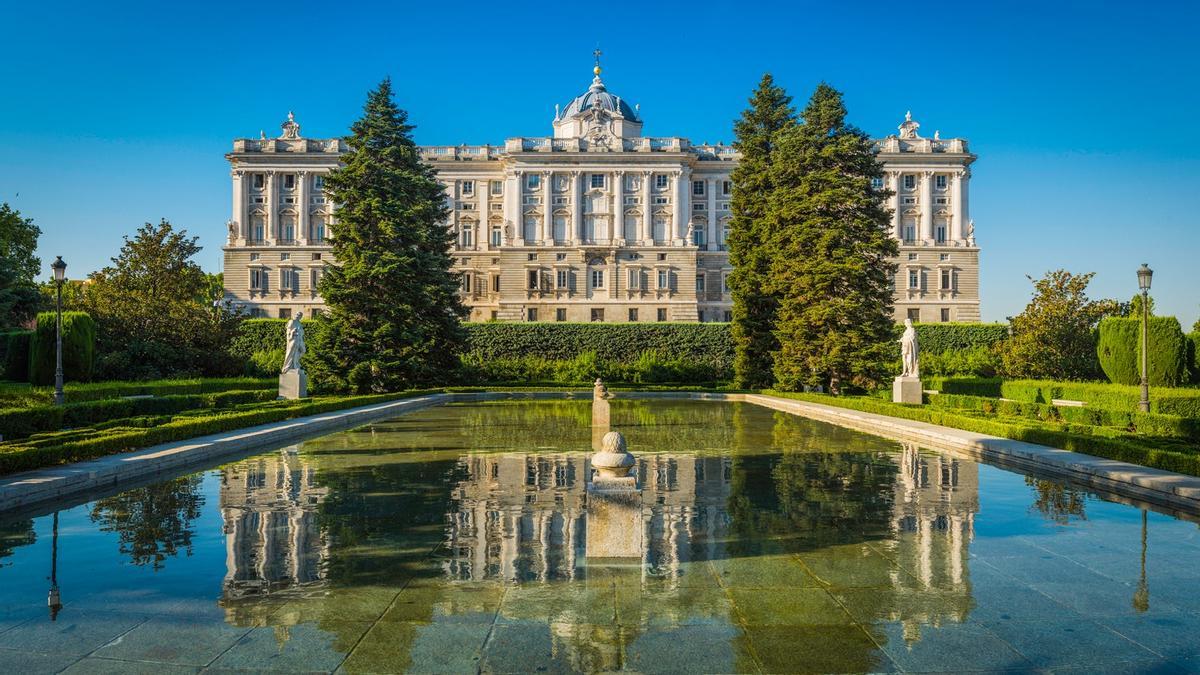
[{"x": 594, "y": 223}]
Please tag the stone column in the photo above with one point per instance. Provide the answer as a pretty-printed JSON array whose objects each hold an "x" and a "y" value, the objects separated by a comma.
[
  {"x": 963, "y": 209},
  {"x": 272, "y": 232},
  {"x": 926, "y": 206},
  {"x": 546, "y": 231},
  {"x": 617, "y": 225},
  {"x": 647, "y": 235},
  {"x": 681, "y": 211},
  {"x": 893, "y": 178},
  {"x": 239, "y": 207},
  {"x": 513, "y": 196},
  {"x": 959, "y": 226},
  {"x": 710, "y": 189},
  {"x": 305, "y": 191},
  {"x": 577, "y": 203}
]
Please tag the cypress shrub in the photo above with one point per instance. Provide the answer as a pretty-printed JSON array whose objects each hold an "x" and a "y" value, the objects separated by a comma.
[
  {"x": 1193, "y": 349},
  {"x": 78, "y": 348},
  {"x": 1119, "y": 349},
  {"x": 14, "y": 355}
]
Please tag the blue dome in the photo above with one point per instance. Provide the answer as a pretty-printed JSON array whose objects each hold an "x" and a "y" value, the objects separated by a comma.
[{"x": 598, "y": 95}]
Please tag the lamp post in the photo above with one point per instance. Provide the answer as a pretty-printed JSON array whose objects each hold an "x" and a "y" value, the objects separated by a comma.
[
  {"x": 1144, "y": 274},
  {"x": 60, "y": 275}
]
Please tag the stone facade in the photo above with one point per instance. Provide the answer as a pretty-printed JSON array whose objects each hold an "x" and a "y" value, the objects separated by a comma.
[{"x": 594, "y": 223}]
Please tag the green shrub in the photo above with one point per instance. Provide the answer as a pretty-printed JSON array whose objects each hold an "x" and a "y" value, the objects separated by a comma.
[
  {"x": 968, "y": 386},
  {"x": 976, "y": 361},
  {"x": 1119, "y": 349},
  {"x": 14, "y": 355},
  {"x": 265, "y": 363},
  {"x": 1193, "y": 348},
  {"x": 78, "y": 348},
  {"x": 941, "y": 338}
]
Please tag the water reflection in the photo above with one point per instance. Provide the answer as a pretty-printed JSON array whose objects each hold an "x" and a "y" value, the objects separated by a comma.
[{"x": 153, "y": 522}]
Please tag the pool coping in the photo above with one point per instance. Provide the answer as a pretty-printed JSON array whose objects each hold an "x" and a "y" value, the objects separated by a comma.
[{"x": 1155, "y": 486}]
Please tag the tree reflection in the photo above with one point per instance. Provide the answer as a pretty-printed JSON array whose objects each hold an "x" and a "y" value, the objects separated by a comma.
[
  {"x": 1057, "y": 502},
  {"x": 154, "y": 522},
  {"x": 13, "y": 535}
]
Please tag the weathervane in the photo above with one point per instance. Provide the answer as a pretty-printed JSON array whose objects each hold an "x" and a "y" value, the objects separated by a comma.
[{"x": 596, "y": 53}]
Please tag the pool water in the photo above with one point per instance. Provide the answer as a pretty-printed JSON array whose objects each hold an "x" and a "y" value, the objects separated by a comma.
[{"x": 454, "y": 539}]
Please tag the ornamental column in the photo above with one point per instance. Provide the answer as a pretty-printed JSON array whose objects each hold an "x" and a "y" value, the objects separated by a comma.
[
  {"x": 710, "y": 187},
  {"x": 926, "y": 206},
  {"x": 514, "y": 227},
  {"x": 546, "y": 231},
  {"x": 893, "y": 178},
  {"x": 646, "y": 237},
  {"x": 617, "y": 225},
  {"x": 959, "y": 226},
  {"x": 239, "y": 208},
  {"x": 305, "y": 177},
  {"x": 272, "y": 208},
  {"x": 681, "y": 213},
  {"x": 577, "y": 204}
]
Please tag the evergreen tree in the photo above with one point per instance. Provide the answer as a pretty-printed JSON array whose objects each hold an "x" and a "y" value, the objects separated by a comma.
[
  {"x": 756, "y": 134},
  {"x": 19, "y": 267},
  {"x": 394, "y": 317},
  {"x": 832, "y": 263}
]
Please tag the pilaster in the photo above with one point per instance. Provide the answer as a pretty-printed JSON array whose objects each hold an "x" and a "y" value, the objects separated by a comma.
[
  {"x": 272, "y": 208},
  {"x": 305, "y": 190},
  {"x": 546, "y": 231},
  {"x": 647, "y": 234},
  {"x": 926, "y": 207}
]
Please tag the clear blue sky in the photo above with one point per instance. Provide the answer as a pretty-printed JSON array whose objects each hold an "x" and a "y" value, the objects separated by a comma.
[{"x": 1083, "y": 114}]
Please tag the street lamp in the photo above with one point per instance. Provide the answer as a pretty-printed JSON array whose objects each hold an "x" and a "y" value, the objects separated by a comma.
[
  {"x": 60, "y": 275},
  {"x": 1144, "y": 275}
]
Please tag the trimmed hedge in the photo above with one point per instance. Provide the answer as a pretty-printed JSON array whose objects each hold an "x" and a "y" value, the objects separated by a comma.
[
  {"x": 14, "y": 355},
  {"x": 1183, "y": 402},
  {"x": 940, "y": 338},
  {"x": 1119, "y": 349},
  {"x": 1148, "y": 424},
  {"x": 44, "y": 452},
  {"x": 94, "y": 391},
  {"x": 78, "y": 348},
  {"x": 1100, "y": 442},
  {"x": 21, "y": 422}
]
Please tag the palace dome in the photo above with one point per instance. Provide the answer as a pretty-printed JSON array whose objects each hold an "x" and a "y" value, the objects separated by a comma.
[{"x": 598, "y": 95}]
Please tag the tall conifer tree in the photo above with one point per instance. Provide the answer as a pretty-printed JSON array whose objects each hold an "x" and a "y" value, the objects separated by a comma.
[
  {"x": 394, "y": 317},
  {"x": 756, "y": 134},
  {"x": 832, "y": 266}
]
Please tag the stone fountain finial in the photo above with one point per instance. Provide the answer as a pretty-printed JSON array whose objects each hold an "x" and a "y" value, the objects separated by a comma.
[{"x": 614, "y": 459}]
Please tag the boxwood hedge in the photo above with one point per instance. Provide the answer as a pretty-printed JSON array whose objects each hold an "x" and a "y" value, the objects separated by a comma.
[
  {"x": 1119, "y": 349},
  {"x": 1183, "y": 402}
]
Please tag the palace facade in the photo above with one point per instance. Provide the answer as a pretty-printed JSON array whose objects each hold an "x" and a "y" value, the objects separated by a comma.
[{"x": 594, "y": 223}]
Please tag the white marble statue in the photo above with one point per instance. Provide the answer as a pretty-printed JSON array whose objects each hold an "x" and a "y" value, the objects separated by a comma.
[
  {"x": 295, "y": 344},
  {"x": 909, "y": 350}
]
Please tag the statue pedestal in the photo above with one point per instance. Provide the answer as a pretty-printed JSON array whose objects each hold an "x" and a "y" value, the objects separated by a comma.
[
  {"x": 907, "y": 390},
  {"x": 614, "y": 518},
  {"x": 293, "y": 384}
]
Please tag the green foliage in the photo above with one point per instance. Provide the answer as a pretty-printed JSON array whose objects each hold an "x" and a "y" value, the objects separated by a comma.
[
  {"x": 831, "y": 252},
  {"x": 150, "y": 320},
  {"x": 394, "y": 310},
  {"x": 78, "y": 348},
  {"x": 1054, "y": 336},
  {"x": 756, "y": 137},
  {"x": 1146, "y": 424},
  {"x": 1167, "y": 454},
  {"x": 650, "y": 367},
  {"x": 1120, "y": 348},
  {"x": 978, "y": 361},
  {"x": 152, "y": 522},
  {"x": 19, "y": 298},
  {"x": 75, "y": 446},
  {"x": 1182, "y": 402},
  {"x": 265, "y": 363},
  {"x": 707, "y": 344},
  {"x": 14, "y": 355},
  {"x": 1133, "y": 308},
  {"x": 18, "y": 396},
  {"x": 18, "y": 243},
  {"x": 940, "y": 338},
  {"x": 1193, "y": 347}
]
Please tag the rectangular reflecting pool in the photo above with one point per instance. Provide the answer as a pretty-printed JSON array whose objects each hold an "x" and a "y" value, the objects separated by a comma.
[{"x": 454, "y": 539}]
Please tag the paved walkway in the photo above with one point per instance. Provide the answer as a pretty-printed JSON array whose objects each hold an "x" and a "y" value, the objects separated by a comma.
[{"x": 1163, "y": 488}]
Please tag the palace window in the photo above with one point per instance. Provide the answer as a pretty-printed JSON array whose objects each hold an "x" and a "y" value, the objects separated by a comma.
[
  {"x": 533, "y": 181},
  {"x": 497, "y": 235},
  {"x": 664, "y": 279},
  {"x": 943, "y": 256},
  {"x": 531, "y": 314},
  {"x": 910, "y": 233},
  {"x": 698, "y": 188},
  {"x": 939, "y": 181},
  {"x": 914, "y": 314},
  {"x": 560, "y": 314},
  {"x": 598, "y": 180},
  {"x": 633, "y": 314},
  {"x": 597, "y": 278},
  {"x": 466, "y": 206},
  {"x": 318, "y": 182},
  {"x": 635, "y": 279},
  {"x": 910, "y": 200},
  {"x": 253, "y": 257},
  {"x": 700, "y": 283},
  {"x": 289, "y": 279},
  {"x": 597, "y": 314},
  {"x": 287, "y": 231},
  {"x": 914, "y": 278},
  {"x": 285, "y": 313},
  {"x": 661, "y": 181},
  {"x": 468, "y": 235},
  {"x": 947, "y": 280},
  {"x": 562, "y": 279},
  {"x": 260, "y": 280},
  {"x": 725, "y": 284},
  {"x": 316, "y": 230},
  {"x": 726, "y": 187},
  {"x": 468, "y": 188},
  {"x": 910, "y": 181},
  {"x": 314, "y": 277},
  {"x": 662, "y": 200},
  {"x": 466, "y": 283},
  {"x": 912, "y": 256},
  {"x": 258, "y": 181},
  {"x": 285, "y": 256},
  {"x": 495, "y": 283},
  {"x": 496, "y": 187},
  {"x": 699, "y": 237},
  {"x": 945, "y": 314},
  {"x": 699, "y": 206},
  {"x": 289, "y": 181},
  {"x": 728, "y": 316},
  {"x": 877, "y": 183},
  {"x": 941, "y": 200},
  {"x": 939, "y": 234},
  {"x": 533, "y": 277},
  {"x": 661, "y": 314}
]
